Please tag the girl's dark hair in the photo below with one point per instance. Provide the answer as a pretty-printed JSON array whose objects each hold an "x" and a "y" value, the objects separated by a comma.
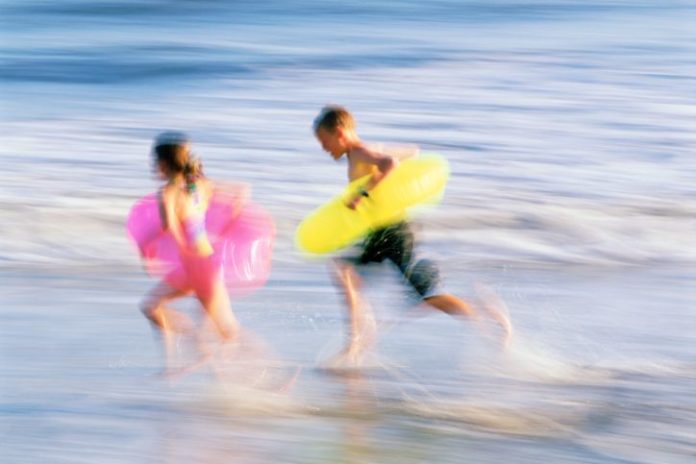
[{"x": 172, "y": 150}]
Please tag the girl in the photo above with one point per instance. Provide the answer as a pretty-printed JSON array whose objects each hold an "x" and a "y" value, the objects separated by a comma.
[{"x": 183, "y": 202}]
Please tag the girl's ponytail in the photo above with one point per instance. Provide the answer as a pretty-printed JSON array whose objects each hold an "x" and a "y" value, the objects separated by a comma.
[{"x": 193, "y": 169}]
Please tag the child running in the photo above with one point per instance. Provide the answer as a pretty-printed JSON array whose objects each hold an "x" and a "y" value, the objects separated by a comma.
[
  {"x": 183, "y": 201},
  {"x": 335, "y": 129}
]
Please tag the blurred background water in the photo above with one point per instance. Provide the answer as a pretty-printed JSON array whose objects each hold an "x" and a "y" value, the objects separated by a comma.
[{"x": 570, "y": 127}]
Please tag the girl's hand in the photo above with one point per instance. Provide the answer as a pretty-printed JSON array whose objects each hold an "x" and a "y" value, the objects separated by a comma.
[{"x": 235, "y": 194}]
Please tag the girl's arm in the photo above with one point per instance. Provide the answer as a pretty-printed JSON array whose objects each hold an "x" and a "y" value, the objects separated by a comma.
[
  {"x": 236, "y": 194},
  {"x": 170, "y": 220}
]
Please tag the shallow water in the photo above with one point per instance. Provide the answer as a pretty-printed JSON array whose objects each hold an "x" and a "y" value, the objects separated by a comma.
[
  {"x": 569, "y": 127},
  {"x": 601, "y": 371}
]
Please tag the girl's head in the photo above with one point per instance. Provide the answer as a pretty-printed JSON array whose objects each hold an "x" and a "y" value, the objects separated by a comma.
[{"x": 172, "y": 155}]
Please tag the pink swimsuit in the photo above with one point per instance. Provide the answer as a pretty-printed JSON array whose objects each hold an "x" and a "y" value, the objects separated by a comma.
[{"x": 202, "y": 270}]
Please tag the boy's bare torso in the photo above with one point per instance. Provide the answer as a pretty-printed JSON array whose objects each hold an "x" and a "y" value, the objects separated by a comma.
[{"x": 358, "y": 168}]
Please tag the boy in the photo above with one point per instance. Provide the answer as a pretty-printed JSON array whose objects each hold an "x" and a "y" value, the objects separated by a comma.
[{"x": 335, "y": 129}]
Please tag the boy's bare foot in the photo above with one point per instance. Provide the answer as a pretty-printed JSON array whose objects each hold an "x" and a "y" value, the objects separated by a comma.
[
  {"x": 497, "y": 310},
  {"x": 350, "y": 357}
]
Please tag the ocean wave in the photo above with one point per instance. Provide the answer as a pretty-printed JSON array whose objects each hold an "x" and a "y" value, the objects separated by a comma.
[
  {"x": 89, "y": 229},
  {"x": 449, "y": 10}
]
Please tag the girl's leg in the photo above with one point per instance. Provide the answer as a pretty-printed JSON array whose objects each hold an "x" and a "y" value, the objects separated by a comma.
[
  {"x": 218, "y": 309},
  {"x": 166, "y": 320},
  {"x": 235, "y": 354},
  {"x": 171, "y": 323}
]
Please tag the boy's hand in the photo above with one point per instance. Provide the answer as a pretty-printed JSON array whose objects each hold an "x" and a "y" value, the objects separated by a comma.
[
  {"x": 352, "y": 204},
  {"x": 362, "y": 193}
]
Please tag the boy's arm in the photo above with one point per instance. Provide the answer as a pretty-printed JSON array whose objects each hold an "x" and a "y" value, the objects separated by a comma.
[
  {"x": 385, "y": 164},
  {"x": 402, "y": 151}
]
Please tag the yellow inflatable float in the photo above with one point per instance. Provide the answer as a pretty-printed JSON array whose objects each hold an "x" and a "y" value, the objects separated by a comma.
[{"x": 414, "y": 182}]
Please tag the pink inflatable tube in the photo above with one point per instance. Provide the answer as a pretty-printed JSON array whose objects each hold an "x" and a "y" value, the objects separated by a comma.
[{"x": 243, "y": 246}]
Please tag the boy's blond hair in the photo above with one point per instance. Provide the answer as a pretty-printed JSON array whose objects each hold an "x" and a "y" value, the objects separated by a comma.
[{"x": 332, "y": 116}]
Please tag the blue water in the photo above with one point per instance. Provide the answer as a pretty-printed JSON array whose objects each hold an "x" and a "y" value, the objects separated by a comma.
[{"x": 570, "y": 129}]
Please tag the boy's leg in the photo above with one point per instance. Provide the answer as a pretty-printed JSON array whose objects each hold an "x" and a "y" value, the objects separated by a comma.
[
  {"x": 362, "y": 321},
  {"x": 451, "y": 305},
  {"x": 496, "y": 309},
  {"x": 424, "y": 277}
]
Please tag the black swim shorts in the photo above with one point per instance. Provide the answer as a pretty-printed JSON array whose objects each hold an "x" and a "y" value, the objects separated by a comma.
[{"x": 395, "y": 243}]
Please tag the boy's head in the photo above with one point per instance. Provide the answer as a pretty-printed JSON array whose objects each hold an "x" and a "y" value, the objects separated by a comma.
[{"x": 334, "y": 127}]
